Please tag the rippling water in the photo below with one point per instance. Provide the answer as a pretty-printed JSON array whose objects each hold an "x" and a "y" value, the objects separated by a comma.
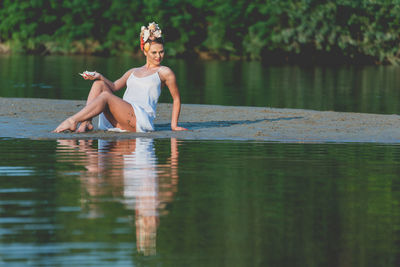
[{"x": 168, "y": 202}]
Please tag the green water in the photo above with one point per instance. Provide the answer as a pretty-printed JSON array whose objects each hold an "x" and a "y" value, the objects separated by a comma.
[
  {"x": 371, "y": 89},
  {"x": 168, "y": 202}
]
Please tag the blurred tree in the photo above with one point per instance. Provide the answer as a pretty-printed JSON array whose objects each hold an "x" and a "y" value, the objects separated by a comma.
[{"x": 357, "y": 31}]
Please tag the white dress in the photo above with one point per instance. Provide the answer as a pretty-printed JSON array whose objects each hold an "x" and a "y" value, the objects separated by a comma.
[
  {"x": 140, "y": 177},
  {"x": 142, "y": 93}
]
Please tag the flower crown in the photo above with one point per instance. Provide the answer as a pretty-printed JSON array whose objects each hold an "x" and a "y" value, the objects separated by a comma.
[{"x": 150, "y": 32}]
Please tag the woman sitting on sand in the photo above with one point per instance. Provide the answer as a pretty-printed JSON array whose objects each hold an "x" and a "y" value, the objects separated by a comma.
[{"x": 137, "y": 110}]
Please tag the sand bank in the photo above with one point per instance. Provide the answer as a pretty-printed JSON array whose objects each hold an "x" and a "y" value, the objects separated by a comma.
[{"x": 36, "y": 118}]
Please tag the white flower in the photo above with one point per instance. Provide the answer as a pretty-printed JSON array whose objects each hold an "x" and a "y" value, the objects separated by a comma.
[
  {"x": 157, "y": 34},
  {"x": 153, "y": 26},
  {"x": 150, "y": 32},
  {"x": 146, "y": 35}
]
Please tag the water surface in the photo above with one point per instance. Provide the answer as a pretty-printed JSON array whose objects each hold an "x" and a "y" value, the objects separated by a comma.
[
  {"x": 168, "y": 202},
  {"x": 369, "y": 89}
]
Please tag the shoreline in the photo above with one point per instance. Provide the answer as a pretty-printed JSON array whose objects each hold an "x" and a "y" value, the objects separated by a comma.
[{"x": 35, "y": 119}]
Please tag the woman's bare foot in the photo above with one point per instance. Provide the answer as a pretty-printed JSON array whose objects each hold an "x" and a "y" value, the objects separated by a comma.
[
  {"x": 85, "y": 127},
  {"x": 67, "y": 125}
]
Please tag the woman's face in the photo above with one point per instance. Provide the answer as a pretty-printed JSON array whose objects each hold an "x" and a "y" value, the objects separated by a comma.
[{"x": 155, "y": 54}]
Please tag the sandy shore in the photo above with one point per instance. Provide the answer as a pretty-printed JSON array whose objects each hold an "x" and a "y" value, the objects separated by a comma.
[{"x": 36, "y": 118}]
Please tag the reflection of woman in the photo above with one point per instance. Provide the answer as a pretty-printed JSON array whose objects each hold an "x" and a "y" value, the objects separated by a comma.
[
  {"x": 130, "y": 167},
  {"x": 141, "y": 193},
  {"x": 137, "y": 110}
]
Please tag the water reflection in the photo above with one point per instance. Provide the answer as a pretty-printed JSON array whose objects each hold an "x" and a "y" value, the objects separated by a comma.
[
  {"x": 369, "y": 89},
  {"x": 127, "y": 171},
  {"x": 238, "y": 204}
]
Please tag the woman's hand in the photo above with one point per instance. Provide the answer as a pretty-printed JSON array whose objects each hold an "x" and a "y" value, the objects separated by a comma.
[
  {"x": 177, "y": 128},
  {"x": 96, "y": 76},
  {"x": 88, "y": 75}
]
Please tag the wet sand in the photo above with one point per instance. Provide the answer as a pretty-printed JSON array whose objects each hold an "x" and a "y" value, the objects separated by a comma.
[{"x": 36, "y": 118}]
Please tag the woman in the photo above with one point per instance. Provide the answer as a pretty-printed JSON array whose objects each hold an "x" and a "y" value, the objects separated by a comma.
[{"x": 137, "y": 110}]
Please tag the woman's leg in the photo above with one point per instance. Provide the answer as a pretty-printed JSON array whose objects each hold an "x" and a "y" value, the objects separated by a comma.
[
  {"x": 119, "y": 112},
  {"x": 97, "y": 88}
]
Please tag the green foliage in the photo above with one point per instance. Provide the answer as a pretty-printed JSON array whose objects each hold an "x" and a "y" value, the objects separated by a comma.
[{"x": 354, "y": 30}]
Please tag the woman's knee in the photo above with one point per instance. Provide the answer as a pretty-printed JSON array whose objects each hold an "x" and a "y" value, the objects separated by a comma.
[
  {"x": 105, "y": 94},
  {"x": 99, "y": 82},
  {"x": 101, "y": 85}
]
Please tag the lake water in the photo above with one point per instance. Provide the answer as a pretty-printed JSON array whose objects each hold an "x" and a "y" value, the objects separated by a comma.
[
  {"x": 368, "y": 89},
  {"x": 169, "y": 202}
]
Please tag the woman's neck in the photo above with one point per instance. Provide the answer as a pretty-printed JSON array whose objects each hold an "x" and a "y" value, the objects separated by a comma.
[{"x": 149, "y": 66}]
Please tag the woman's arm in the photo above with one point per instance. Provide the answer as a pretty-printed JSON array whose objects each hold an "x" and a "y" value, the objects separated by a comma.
[
  {"x": 170, "y": 81},
  {"x": 114, "y": 86}
]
